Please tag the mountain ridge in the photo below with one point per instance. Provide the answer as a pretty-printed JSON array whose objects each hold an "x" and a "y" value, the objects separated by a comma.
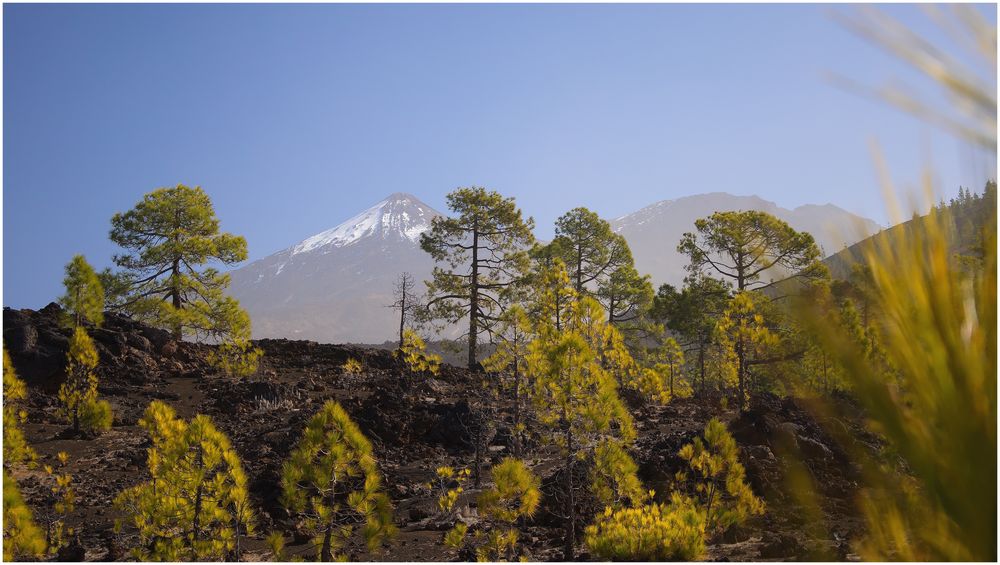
[
  {"x": 654, "y": 231},
  {"x": 334, "y": 286}
]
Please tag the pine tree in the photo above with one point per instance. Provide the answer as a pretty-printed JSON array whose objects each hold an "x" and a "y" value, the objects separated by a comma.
[
  {"x": 717, "y": 479},
  {"x": 196, "y": 504},
  {"x": 83, "y": 303},
  {"x": 22, "y": 538},
  {"x": 627, "y": 296},
  {"x": 661, "y": 382},
  {"x": 511, "y": 358},
  {"x": 575, "y": 396},
  {"x": 332, "y": 480},
  {"x": 483, "y": 248},
  {"x": 236, "y": 357},
  {"x": 80, "y": 406},
  {"x": 600, "y": 265},
  {"x": 692, "y": 314},
  {"x": 168, "y": 238},
  {"x": 672, "y": 362},
  {"x": 515, "y": 495},
  {"x": 745, "y": 338},
  {"x": 54, "y": 519},
  {"x": 15, "y": 445},
  {"x": 741, "y": 247},
  {"x": 414, "y": 354},
  {"x": 84, "y": 298}
]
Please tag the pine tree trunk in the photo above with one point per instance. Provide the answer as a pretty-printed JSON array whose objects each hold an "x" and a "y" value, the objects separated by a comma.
[
  {"x": 517, "y": 411},
  {"x": 579, "y": 271},
  {"x": 701, "y": 364},
  {"x": 570, "y": 547},
  {"x": 176, "y": 295},
  {"x": 474, "y": 298},
  {"x": 196, "y": 522},
  {"x": 326, "y": 553},
  {"x": 402, "y": 321}
]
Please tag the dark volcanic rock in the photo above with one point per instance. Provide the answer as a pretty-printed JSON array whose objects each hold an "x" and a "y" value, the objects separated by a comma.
[{"x": 416, "y": 423}]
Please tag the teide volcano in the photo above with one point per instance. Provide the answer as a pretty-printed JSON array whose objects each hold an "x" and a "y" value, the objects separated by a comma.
[{"x": 334, "y": 286}]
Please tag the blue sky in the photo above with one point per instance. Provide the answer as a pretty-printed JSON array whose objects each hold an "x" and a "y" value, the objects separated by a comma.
[{"x": 295, "y": 117}]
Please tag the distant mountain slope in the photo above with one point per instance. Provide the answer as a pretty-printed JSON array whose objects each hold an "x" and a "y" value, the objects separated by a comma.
[
  {"x": 335, "y": 285},
  {"x": 968, "y": 215},
  {"x": 654, "y": 231}
]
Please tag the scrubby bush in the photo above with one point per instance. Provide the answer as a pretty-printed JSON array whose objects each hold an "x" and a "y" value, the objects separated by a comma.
[
  {"x": 236, "y": 357},
  {"x": 351, "y": 367},
  {"x": 650, "y": 532}
]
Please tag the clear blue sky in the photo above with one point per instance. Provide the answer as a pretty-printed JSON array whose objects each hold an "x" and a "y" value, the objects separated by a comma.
[{"x": 294, "y": 118}]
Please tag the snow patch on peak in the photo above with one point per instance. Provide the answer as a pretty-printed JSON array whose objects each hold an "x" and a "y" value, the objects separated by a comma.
[{"x": 400, "y": 214}]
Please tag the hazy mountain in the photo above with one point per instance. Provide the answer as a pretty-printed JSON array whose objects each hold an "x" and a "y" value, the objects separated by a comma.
[
  {"x": 654, "y": 231},
  {"x": 335, "y": 285}
]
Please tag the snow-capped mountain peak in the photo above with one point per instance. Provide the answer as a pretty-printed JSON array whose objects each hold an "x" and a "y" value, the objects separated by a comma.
[{"x": 398, "y": 216}]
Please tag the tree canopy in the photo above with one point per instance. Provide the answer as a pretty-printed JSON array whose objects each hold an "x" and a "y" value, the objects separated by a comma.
[
  {"x": 169, "y": 237},
  {"x": 483, "y": 249},
  {"x": 741, "y": 247}
]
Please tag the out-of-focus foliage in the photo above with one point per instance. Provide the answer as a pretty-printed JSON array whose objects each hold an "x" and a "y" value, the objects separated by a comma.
[
  {"x": 196, "y": 505},
  {"x": 933, "y": 284},
  {"x": 414, "y": 354},
  {"x": 332, "y": 481},
  {"x": 15, "y": 445},
  {"x": 650, "y": 532},
  {"x": 22, "y": 538},
  {"x": 717, "y": 480},
  {"x": 972, "y": 110},
  {"x": 938, "y": 331}
]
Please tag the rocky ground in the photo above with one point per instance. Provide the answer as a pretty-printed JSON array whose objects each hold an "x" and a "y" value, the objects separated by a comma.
[{"x": 415, "y": 424}]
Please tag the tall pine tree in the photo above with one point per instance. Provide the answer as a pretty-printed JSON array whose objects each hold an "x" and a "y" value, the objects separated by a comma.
[
  {"x": 483, "y": 247},
  {"x": 169, "y": 237}
]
